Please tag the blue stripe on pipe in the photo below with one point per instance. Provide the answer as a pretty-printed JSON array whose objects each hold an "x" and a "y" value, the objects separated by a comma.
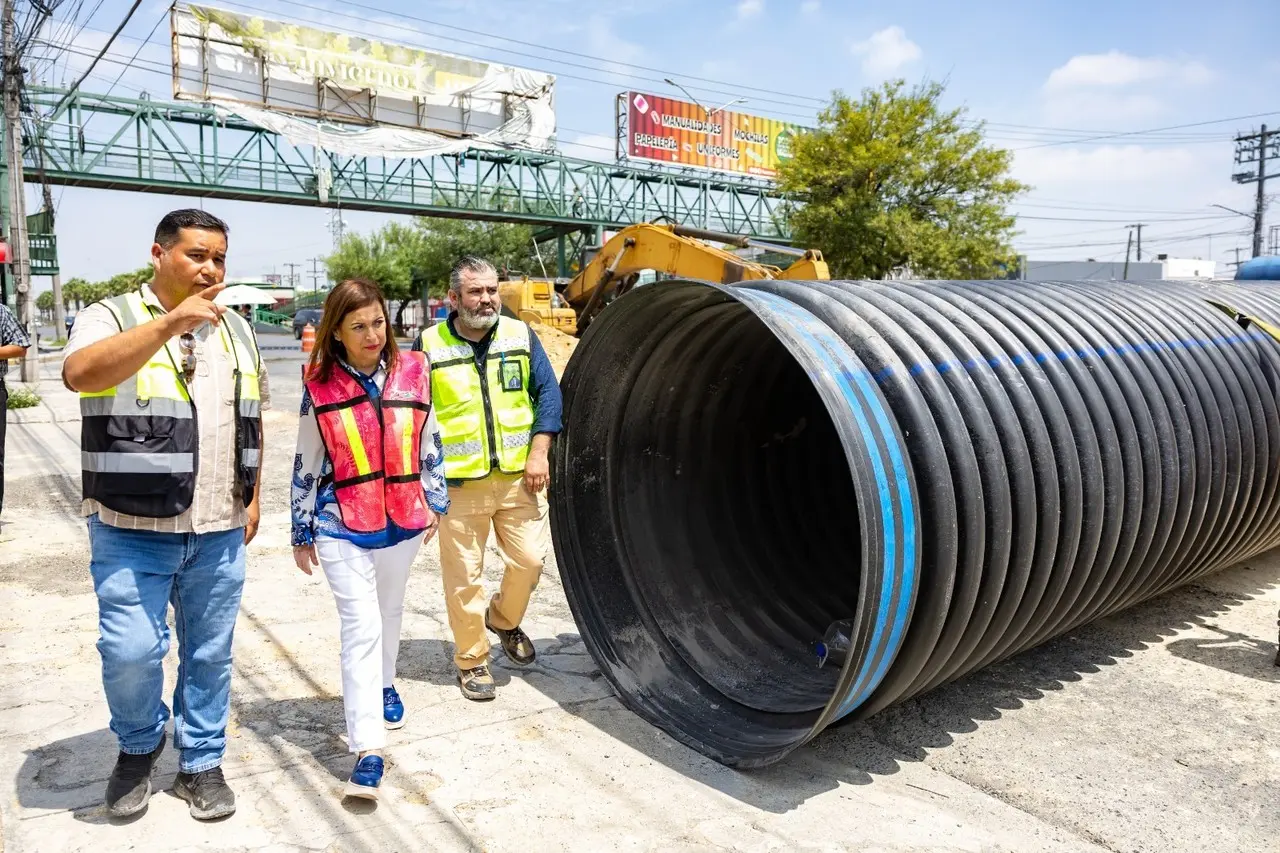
[
  {"x": 849, "y": 372},
  {"x": 1020, "y": 359}
]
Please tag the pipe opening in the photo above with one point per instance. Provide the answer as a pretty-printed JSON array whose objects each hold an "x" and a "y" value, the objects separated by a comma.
[
  {"x": 723, "y": 517},
  {"x": 740, "y": 473}
]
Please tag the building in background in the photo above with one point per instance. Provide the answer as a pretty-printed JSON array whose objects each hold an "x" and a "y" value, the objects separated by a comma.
[{"x": 1162, "y": 268}]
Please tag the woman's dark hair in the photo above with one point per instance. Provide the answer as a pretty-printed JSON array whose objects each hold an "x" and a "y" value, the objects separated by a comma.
[{"x": 352, "y": 295}]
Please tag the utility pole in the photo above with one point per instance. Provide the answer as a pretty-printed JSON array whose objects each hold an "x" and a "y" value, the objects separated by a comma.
[
  {"x": 59, "y": 309},
  {"x": 293, "y": 276},
  {"x": 1139, "y": 226},
  {"x": 1128, "y": 246},
  {"x": 315, "y": 275},
  {"x": 19, "y": 248},
  {"x": 1257, "y": 148},
  {"x": 337, "y": 227}
]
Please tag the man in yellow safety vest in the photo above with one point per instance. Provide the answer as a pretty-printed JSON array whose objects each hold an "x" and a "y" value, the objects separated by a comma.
[
  {"x": 498, "y": 405},
  {"x": 171, "y": 392}
]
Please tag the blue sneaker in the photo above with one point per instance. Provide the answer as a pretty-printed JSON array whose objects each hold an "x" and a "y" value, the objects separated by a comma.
[
  {"x": 366, "y": 778},
  {"x": 392, "y": 708}
]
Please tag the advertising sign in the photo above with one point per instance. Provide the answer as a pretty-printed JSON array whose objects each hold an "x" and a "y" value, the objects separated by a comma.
[
  {"x": 297, "y": 70},
  {"x": 672, "y": 131}
]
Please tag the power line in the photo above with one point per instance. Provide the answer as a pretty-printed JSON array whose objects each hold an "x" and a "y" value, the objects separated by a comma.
[
  {"x": 101, "y": 53},
  {"x": 546, "y": 48},
  {"x": 126, "y": 67},
  {"x": 1257, "y": 148},
  {"x": 1078, "y": 219},
  {"x": 1150, "y": 130}
]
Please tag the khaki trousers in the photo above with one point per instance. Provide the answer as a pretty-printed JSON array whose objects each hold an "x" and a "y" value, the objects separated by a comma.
[{"x": 519, "y": 522}]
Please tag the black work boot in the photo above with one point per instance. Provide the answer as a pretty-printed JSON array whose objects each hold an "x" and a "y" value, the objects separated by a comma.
[
  {"x": 129, "y": 786},
  {"x": 477, "y": 684},
  {"x": 206, "y": 793},
  {"x": 515, "y": 643}
]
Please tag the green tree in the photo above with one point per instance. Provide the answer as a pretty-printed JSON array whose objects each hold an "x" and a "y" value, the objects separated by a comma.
[
  {"x": 128, "y": 281},
  {"x": 410, "y": 262},
  {"x": 44, "y": 302},
  {"x": 378, "y": 257},
  {"x": 893, "y": 181},
  {"x": 73, "y": 293}
]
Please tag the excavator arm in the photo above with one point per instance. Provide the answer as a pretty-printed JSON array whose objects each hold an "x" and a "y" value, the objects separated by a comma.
[{"x": 675, "y": 250}]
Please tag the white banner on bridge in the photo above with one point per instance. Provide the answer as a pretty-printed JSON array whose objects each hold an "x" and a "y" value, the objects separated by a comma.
[{"x": 224, "y": 57}]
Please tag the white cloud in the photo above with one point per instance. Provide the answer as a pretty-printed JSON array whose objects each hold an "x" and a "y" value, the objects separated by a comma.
[
  {"x": 810, "y": 7},
  {"x": 1115, "y": 69},
  {"x": 749, "y": 9},
  {"x": 886, "y": 52},
  {"x": 1105, "y": 89}
]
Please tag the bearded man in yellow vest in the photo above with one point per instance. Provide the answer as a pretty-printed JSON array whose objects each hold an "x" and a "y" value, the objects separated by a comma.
[
  {"x": 498, "y": 405},
  {"x": 171, "y": 389}
]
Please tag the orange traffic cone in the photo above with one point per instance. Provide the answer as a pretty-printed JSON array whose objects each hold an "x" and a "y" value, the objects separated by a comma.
[{"x": 308, "y": 337}]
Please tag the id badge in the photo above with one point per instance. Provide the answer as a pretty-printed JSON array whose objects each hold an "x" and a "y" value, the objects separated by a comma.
[{"x": 509, "y": 372}]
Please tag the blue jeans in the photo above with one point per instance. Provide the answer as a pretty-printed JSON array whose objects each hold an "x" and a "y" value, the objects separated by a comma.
[{"x": 137, "y": 574}]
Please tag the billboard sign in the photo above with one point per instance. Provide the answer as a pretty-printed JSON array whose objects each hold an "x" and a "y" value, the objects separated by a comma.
[
  {"x": 221, "y": 56},
  {"x": 677, "y": 132}
]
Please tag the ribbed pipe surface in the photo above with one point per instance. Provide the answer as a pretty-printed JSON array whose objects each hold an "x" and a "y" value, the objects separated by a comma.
[{"x": 961, "y": 469}]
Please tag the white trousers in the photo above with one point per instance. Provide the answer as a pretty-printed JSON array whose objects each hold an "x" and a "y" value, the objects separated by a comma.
[{"x": 368, "y": 586}]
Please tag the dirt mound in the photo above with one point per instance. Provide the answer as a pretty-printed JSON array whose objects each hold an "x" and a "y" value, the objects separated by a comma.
[{"x": 558, "y": 345}]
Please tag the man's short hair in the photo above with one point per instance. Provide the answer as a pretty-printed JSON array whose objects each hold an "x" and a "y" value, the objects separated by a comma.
[
  {"x": 169, "y": 229},
  {"x": 471, "y": 264}
]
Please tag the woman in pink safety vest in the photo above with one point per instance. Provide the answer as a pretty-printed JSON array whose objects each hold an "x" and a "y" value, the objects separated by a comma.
[{"x": 368, "y": 485}]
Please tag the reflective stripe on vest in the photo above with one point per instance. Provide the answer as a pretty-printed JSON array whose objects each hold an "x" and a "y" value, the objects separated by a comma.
[
  {"x": 247, "y": 362},
  {"x": 375, "y": 448},
  {"x": 485, "y": 419},
  {"x": 139, "y": 440}
]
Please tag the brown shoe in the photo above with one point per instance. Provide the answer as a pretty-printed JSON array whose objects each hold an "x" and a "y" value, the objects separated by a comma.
[
  {"x": 477, "y": 684},
  {"x": 515, "y": 643}
]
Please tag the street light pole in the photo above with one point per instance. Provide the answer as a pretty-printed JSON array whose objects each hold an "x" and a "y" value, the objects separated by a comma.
[{"x": 709, "y": 113}]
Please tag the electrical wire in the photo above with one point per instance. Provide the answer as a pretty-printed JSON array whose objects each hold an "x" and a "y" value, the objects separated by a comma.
[
  {"x": 132, "y": 60},
  {"x": 105, "y": 48}
]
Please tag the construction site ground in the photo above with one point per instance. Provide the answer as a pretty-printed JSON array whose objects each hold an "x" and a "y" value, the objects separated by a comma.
[{"x": 1155, "y": 729}]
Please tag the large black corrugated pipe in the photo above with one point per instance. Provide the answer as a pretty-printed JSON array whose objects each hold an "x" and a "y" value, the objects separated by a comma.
[{"x": 961, "y": 470}]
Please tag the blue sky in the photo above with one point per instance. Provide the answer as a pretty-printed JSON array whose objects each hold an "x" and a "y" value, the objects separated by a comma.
[{"x": 1048, "y": 77}]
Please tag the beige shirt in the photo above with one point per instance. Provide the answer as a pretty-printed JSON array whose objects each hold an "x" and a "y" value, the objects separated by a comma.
[{"x": 216, "y": 505}]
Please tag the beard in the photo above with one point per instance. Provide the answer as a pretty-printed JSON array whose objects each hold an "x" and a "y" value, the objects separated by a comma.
[{"x": 478, "y": 320}]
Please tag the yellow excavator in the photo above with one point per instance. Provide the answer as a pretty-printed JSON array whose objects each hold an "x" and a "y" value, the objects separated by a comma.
[{"x": 615, "y": 268}]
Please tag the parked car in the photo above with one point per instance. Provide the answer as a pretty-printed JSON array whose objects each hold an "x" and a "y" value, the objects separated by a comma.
[
  {"x": 303, "y": 317},
  {"x": 71, "y": 318}
]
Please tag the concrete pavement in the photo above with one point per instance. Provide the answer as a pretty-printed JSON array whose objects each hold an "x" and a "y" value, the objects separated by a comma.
[{"x": 1157, "y": 729}]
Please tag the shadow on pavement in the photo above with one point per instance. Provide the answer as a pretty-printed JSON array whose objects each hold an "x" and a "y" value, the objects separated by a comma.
[
  {"x": 1232, "y": 652},
  {"x": 308, "y": 731},
  {"x": 855, "y": 752},
  {"x": 430, "y": 661}
]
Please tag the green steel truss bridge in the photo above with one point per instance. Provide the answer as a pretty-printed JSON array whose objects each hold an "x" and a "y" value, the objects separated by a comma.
[{"x": 189, "y": 149}]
